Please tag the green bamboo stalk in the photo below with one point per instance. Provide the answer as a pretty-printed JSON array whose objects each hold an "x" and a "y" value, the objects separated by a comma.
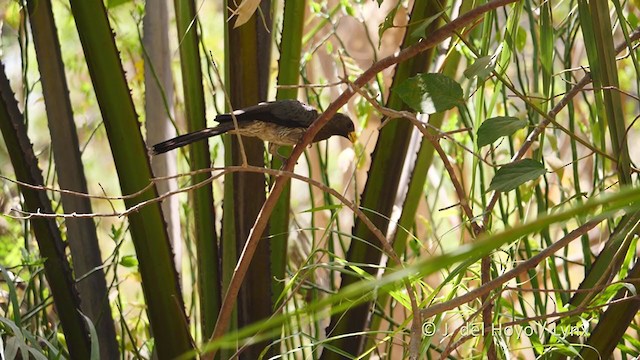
[
  {"x": 603, "y": 264},
  {"x": 56, "y": 266},
  {"x": 288, "y": 74},
  {"x": 81, "y": 233},
  {"x": 148, "y": 231},
  {"x": 613, "y": 324},
  {"x": 209, "y": 291},
  {"x": 248, "y": 60},
  {"x": 605, "y": 78}
]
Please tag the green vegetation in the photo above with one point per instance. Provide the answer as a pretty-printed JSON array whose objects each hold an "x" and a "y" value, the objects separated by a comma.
[{"x": 489, "y": 208}]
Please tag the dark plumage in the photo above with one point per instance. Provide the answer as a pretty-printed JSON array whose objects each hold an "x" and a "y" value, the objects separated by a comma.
[{"x": 278, "y": 122}]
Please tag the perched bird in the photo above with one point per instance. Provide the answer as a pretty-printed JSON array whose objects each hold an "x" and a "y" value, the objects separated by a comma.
[{"x": 278, "y": 122}]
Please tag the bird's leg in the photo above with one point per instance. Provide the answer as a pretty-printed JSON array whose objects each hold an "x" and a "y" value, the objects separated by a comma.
[{"x": 273, "y": 150}]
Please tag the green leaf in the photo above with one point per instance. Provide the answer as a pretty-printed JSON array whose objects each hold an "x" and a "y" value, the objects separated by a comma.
[
  {"x": 633, "y": 341},
  {"x": 508, "y": 47},
  {"x": 329, "y": 47},
  {"x": 316, "y": 8},
  {"x": 129, "y": 261},
  {"x": 387, "y": 23},
  {"x": 430, "y": 93},
  {"x": 116, "y": 233},
  {"x": 421, "y": 30},
  {"x": 515, "y": 174},
  {"x": 497, "y": 127},
  {"x": 348, "y": 8},
  {"x": 481, "y": 68},
  {"x": 401, "y": 297},
  {"x": 95, "y": 350},
  {"x": 521, "y": 38}
]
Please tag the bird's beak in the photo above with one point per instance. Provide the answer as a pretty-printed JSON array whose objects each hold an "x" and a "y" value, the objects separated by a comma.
[{"x": 352, "y": 137}]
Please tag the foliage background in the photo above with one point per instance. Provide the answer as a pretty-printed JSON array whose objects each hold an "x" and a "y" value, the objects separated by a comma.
[{"x": 519, "y": 61}]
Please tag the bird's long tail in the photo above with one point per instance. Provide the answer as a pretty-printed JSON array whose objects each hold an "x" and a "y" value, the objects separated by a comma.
[{"x": 189, "y": 138}]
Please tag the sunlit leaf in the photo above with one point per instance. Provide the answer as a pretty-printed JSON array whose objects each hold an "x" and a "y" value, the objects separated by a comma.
[
  {"x": 329, "y": 47},
  {"x": 129, "y": 261},
  {"x": 510, "y": 38},
  {"x": 316, "y": 8},
  {"x": 348, "y": 8},
  {"x": 430, "y": 93},
  {"x": 481, "y": 68}
]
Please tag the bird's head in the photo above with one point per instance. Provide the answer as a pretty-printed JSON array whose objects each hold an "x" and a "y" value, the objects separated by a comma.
[{"x": 341, "y": 125}]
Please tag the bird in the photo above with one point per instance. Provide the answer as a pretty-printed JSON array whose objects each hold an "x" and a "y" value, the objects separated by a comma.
[{"x": 281, "y": 122}]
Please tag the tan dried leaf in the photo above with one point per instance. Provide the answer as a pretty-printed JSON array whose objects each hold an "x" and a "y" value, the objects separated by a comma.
[{"x": 244, "y": 11}]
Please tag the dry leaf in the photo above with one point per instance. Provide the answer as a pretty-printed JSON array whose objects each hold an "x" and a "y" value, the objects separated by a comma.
[{"x": 244, "y": 11}]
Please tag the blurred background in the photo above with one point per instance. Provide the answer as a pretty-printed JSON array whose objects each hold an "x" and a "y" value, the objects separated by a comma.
[{"x": 118, "y": 76}]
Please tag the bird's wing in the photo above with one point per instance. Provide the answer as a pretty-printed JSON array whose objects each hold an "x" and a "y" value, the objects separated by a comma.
[{"x": 289, "y": 113}]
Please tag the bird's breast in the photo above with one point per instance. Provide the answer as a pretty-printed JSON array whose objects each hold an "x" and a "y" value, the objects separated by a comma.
[{"x": 273, "y": 133}]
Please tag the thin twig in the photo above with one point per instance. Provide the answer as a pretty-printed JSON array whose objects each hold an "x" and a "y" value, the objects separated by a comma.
[
  {"x": 76, "y": 193},
  {"x": 222, "y": 171}
]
